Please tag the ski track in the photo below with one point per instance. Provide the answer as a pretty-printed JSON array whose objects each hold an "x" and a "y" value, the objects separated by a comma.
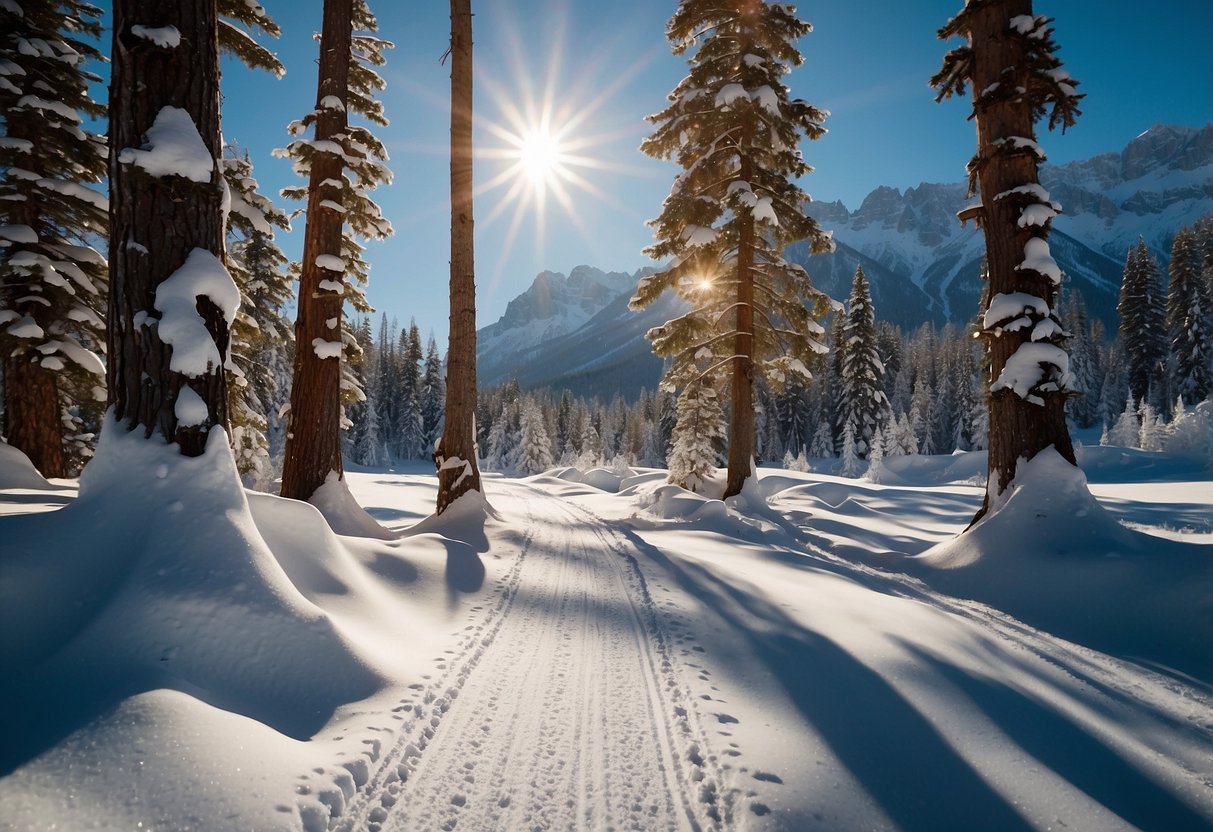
[{"x": 561, "y": 709}]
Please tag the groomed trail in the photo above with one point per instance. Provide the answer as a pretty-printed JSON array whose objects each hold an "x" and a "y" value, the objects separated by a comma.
[{"x": 562, "y": 709}]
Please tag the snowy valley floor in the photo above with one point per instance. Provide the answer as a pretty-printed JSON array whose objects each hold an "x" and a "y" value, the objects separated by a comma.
[{"x": 611, "y": 653}]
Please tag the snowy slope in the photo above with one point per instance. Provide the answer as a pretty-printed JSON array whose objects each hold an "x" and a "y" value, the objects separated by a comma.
[
  {"x": 609, "y": 652},
  {"x": 553, "y": 306}
]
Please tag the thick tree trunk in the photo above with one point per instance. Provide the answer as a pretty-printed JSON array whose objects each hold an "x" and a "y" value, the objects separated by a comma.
[
  {"x": 156, "y": 221},
  {"x": 313, "y": 440},
  {"x": 741, "y": 418},
  {"x": 1018, "y": 429},
  {"x": 458, "y": 471},
  {"x": 32, "y": 422}
]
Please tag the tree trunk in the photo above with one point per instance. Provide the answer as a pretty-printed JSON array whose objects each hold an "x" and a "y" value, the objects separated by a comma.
[
  {"x": 741, "y": 417},
  {"x": 31, "y": 413},
  {"x": 455, "y": 456},
  {"x": 1018, "y": 429},
  {"x": 313, "y": 439},
  {"x": 32, "y": 422},
  {"x": 157, "y": 221}
]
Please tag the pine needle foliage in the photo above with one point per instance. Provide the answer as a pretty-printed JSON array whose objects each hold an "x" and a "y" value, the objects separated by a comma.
[
  {"x": 53, "y": 282},
  {"x": 734, "y": 129}
]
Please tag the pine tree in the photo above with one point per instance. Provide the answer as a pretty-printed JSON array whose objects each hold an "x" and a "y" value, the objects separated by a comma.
[
  {"x": 455, "y": 455},
  {"x": 1010, "y": 63},
  {"x": 697, "y": 438},
  {"x": 433, "y": 395},
  {"x": 534, "y": 452},
  {"x": 1189, "y": 319},
  {"x": 342, "y": 162},
  {"x": 412, "y": 428},
  {"x": 1084, "y": 365},
  {"x": 822, "y": 446},
  {"x": 260, "y": 332},
  {"x": 173, "y": 302},
  {"x": 1152, "y": 432},
  {"x": 53, "y": 284},
  {"x": 1127, "y": 430},
  {"x": 734, "y": 130},
  {"x": 851, "y": 465},
  {"x": 864, "y": 403},
  {"x": 876, "y": 456},
  {"x": 1142, "y": 310}
]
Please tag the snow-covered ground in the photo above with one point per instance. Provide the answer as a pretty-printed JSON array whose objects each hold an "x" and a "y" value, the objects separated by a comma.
[{"x": 608, "y": 652}]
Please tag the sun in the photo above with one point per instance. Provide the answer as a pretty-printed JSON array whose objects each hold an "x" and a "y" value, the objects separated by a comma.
[{"x": 542, "y": 157}]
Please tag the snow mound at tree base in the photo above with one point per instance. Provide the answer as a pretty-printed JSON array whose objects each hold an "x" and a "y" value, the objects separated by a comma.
[
  {"x": 16, "y": 471},
  {"x": 1052, "y": 556},
  {"x": 342, "y": 511},
  {"x": 158, "y": 579}
]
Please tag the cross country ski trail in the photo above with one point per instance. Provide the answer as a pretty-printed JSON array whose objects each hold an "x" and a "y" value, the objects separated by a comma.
[{"x": 562, "y": 709}]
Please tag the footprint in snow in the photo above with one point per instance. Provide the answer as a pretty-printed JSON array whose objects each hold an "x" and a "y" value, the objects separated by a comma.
[
  {"x": 767, "y": 777},
  {"x": 725, "y": 719}
]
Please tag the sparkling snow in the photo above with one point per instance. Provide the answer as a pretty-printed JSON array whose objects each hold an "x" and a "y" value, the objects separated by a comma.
[{"x": 597, "y": 648}]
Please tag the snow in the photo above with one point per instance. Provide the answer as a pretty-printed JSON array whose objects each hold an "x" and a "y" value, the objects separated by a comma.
[
  {"x": 601, "y": 649},
  {"x": 326, "y": 349},
  {"x": 330, "y": 262},
  {"x": 1029, "y": 366},
  {"x": 331, "y": 102},
  {"x": 174, "y": 148},
  {"x": 1037, "y": 214},
  {"x": 730, "y": 93},
  {"x": 767, "y": 99},
  {"x": 18, "y": 234},
  {"x": 166, "y": 37},
  {"x": 33, "y": 102},
  {"x": 25, "y": 327},
  {"x": 181, "y": 327},
  {"x": 698, "y": 235},
  {"x": 1036, "y": 257},
  {"x": 1006, "y": 306},
  {"x": 189, "y": 408},
  {"x": 330, "y": 286}
]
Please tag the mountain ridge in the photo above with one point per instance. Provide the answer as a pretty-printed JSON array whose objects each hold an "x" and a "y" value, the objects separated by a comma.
[{"x": 922, "y": 265}]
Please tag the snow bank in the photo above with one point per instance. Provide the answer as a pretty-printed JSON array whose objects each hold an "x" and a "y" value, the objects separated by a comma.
[
  {"x": 342, "y": 511},
  {"x": 159, "y": 580},
  {"x": 16, "y": 471},
  {"x": 1055, "y": 558}
]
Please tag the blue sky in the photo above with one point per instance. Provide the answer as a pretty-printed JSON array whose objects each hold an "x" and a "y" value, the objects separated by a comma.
[{"x": 605, "y": 65}]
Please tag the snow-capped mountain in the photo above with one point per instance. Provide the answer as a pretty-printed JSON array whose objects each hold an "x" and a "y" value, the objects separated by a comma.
[
  {"x": 922, "y": 264},
  {"x": 553, "y": 306}
]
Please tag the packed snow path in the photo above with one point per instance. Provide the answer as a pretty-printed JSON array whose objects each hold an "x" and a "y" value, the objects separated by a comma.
[{"x": 564, "y": 716}]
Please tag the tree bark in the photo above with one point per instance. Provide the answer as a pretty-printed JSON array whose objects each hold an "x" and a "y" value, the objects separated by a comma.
[
  {"x": 156, "y": 221},
  {"x": 32, "y": 422},
  {"x": 1018, "y": 429},
  {"x": 741, "y": 417},
  {"x": 455, "y": 456},
  {"x": 313, "y": 439}
]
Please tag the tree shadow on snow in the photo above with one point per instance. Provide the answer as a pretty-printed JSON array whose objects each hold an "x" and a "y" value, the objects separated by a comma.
[{"x": 892, "y": 749}]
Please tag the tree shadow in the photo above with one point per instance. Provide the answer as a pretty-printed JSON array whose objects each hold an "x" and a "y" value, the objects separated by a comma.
[
  {"x": 1073, "y": 752},
  {"x": 892, "y": 749}
]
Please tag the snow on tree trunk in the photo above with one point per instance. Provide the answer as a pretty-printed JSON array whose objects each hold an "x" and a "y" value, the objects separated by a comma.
[
  {"x": 166, "y": 197},
  {"x": 313, "y": 441},
  {"x": 455, "y": 455},
  {"x": 1009, "y": 63}
]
